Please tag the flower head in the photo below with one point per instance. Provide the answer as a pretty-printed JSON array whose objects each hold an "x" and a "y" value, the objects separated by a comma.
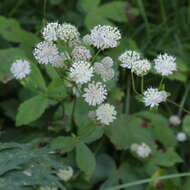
[
  {"x": 175, "y": 120},
  {"x": 153, "y": 97},
  {"x": 95, "y": 93},
  {"x": 81, "y": 72},
  {"x": 50, "y": 31},
  {"x": 107, "y": 62},
  {"x": 59, "y": 59},
  {"x": 128, "y": 58},
  {"x": 81, "y": 53},
  {"x": 68, "y": 32},
  {"x": 20, "y": 69},
  {"x": 104, "y": 36},
  {"x": 45, "y": 52},
  {"x": 181, "y": 136},
  {"x": 142, "y": 150},
  {"x": 65, "y": 174},
  {"x": 106, "y": 114},
  {"x": 165, "y": 64},
  {"x": 141, "y": 67}
]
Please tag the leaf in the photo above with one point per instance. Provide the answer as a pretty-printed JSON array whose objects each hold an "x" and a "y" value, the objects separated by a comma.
[
  {"x": 65, "y": 144},
  {"x": 127, "y": 130},
  {"x": 7, "y": 57},
  {"x": 51, "y": 72},
  {"x": 186, "y": 124},
  {"x": 57, "y": 89},
  {"x": 31, "y": 110},
  {"x": 85, "y": 159}
]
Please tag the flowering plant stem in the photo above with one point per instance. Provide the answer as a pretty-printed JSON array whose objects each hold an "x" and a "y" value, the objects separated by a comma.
[
  {"x": 142, "y": 84},
  {"x": 179, "y": 106},
  {"x": 161, "y": 81},
  {"x": 97, "y": 53},
  {"x": 144, "y": 181},
  {"x": 133, "y": 83},
  {"x": 128, "y": 92}
]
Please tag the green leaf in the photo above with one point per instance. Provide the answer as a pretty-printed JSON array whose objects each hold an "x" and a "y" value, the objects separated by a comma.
[
  {"x": 127, "y": 130},
  {"x": 51, "y": 72},
  {"x": 31, "y": 110},
  {"x": 57, "y": 89},
  {"x": 186, "y": 124},
  {"x": 65, "y": 144},
  {"x": 85, "y": 159}
]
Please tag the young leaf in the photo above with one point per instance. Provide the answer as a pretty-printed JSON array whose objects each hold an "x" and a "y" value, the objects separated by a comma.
[
  {"x": 31, "y": 110},
  {"x": 85, "y": 159}
]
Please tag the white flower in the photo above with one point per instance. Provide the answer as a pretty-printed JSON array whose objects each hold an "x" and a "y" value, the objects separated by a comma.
[
  {"x": 81, "y": 53},
  {"x": 165, "y": 64},
  {"x": 142, "y": 150},
  {"x": 153, "y": 97},
  {"x": 81, "y": 72},
  {"x": 141, "y": 67},
  {"x": 45, "y": 52},
  {"x": 86, "y": 39},
  {"x": 50, "y": 31},
  {"x": 128, "y": 58},
  {"x": 181, "y": 137},
  {"x": 174, "y": 120},
  {"x": 107, "y": 62},
  {"x": 59, "y": 59},
  {"x": 104, "y": 36},
  {"x": 65, "y": 174},
  {"x": 48, "y": 188},
  {"x": 106, "y": 114},
  {"x": 68, "y": 32},
  {"x": 20, "y": 69},
  {"x": 95, "y": 93}
]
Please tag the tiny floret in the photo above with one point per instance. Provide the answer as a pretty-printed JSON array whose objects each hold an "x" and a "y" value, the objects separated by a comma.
[
  {"x": 81, "y": 53},
  {"x": 58, "y": 60},
  {"x": 68, "y": 32},
  {"x": 128, "y": 58},
  {"x": 141, "y": 67},
  {"x": 20, "y": 69},
  {"x": 95, "y": 93},
  {"x": 142, "y": 150},
  {"x": 153, "y": 97},
  {"x": 66, "y": 174},
  {"x": 107, "y": 62},
  {"x": 45, "y": 52},
  {"x": 106, "y": 114},
  {"x": 174, "y": 120},
  {"x": 50, "y": 31},
  {"x": 81, "y": 72},
  {"x": 165, "y": 64},
  {"x": 181, "y": 137},
  {"x": 104, "y": 36}
]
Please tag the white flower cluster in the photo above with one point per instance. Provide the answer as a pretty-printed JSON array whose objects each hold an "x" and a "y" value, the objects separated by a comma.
[
  {"x": 174, "y": 120},
  {"x": 142, "y": 150},
  {"x": 153, "y": 97},
  {"x": 181, "y": 137},
  {"x": 65, "y": 174}
]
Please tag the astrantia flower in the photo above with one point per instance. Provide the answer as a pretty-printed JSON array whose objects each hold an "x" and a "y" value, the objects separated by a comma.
[
  {"x": 65, "y": 174},
  {"x": 175, "y": 120},
  {"x": 95, "y": 93},
  {"x": 106, "y": 114},
  {"x": 59, "y": 59},
  {"x": 107, "y": 62},
  {"x": 45, "y": 52},
  {"x": 103, "y": 37},
  {"x": 81, "y": 72},
  {"x": 143, "y": 150},
  {"x": 20, "y": 69},
  {"x": 165, "y": 64},
  {"x": 141, "y": 67},
  {"x": 181, "y": 136},
  {"x": 86, "y": 39},
  {"x": 68, "y": 32},
  {"x": 128, "y": 58},
  {"x": 153, "y": 97},
  {"x": 81, "y": 53},
  {"x": 50, "y": 31}
]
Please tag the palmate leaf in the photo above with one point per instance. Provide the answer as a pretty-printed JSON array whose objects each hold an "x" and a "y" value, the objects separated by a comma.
[
  {"x": 31, "y": 109},
  {"x": 102, "y": 14}
]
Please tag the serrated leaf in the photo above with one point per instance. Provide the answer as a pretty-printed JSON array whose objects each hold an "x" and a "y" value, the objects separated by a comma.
[
  {"x": 30, "y": 110},
  {"x": 85, "y": 159}
]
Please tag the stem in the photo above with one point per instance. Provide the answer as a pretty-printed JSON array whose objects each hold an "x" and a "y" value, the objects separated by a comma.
[
  {"x": 128, "y": 92},
  {"x": 142, "y": 84},
  {"x": 183, "y": 99},
  {"x": 44, "y": 11},
  {"x": 161, "y": 81},
  {"x": 144, "y": 181},
  {"x": 133, "y": 83},
  {"x": 72, "y": 116},
  {"x": 163, "y": 13},
  {"x": 97, "y": 53},
  {"x": 177, "y": 105},
  {"x": 15, "y": 7}
]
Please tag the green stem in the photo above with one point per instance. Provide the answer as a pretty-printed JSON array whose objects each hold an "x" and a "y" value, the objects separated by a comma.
[
  {"x": 177, "y": 105},
  {"x": 15, "y": 7},
  {"x": 142, "y": 84},
  {"x": 73, "y": 116},
  {"x": 144, "y": 181},
  {"x": 44, "y": 11},
  {"x": 133, "y": 83},
  {"x": 163, "y": 13},
  {"x": 128, "y": 93},
  {"x": 161, "y": 82},
  {"x": 183, "y": 99},
  {"x": 97, "y": 53}
]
